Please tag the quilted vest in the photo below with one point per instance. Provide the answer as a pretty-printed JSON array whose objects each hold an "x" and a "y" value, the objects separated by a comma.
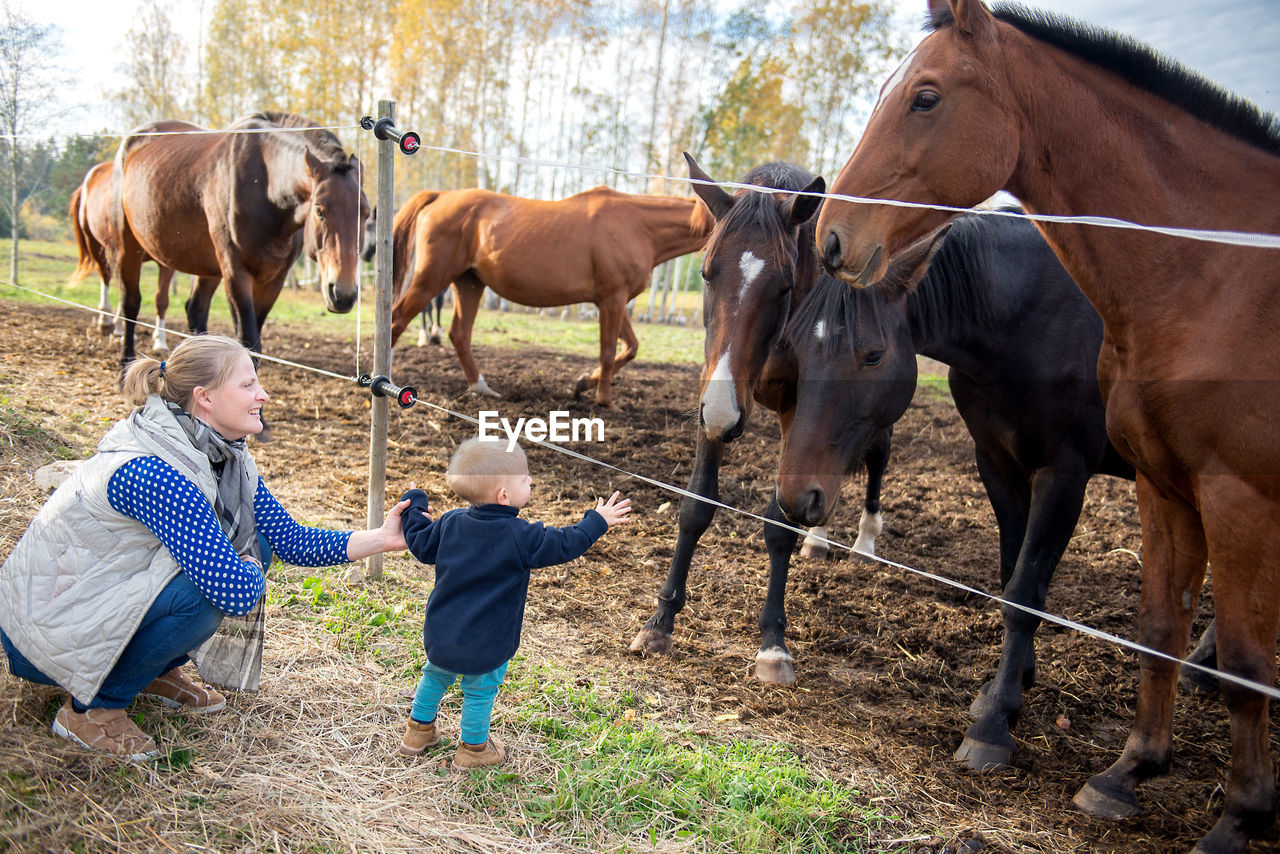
[{"x": 78, "y": 583}]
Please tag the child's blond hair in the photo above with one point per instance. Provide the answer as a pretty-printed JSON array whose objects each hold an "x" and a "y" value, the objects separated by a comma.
[{"x": 479, "y": 466}]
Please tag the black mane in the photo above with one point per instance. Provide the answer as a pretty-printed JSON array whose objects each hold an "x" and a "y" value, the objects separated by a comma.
[{"x": 1141, "y": 66}]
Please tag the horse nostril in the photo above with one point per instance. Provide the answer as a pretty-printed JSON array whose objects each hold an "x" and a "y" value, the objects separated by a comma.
[
  {"x": 831, "y": 251},
  {"x": 814, "y": 507}
]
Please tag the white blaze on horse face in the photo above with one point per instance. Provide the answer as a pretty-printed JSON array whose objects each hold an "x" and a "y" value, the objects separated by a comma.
[
  {"x": 720, "y": 401},
  {"x": 751, "y": 267},
  {"x": 896, "y": 79},
  {"x": 820, "y": 329}
]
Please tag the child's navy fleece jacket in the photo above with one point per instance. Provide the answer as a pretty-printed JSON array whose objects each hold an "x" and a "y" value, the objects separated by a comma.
[{"x": 482, "y": 556}]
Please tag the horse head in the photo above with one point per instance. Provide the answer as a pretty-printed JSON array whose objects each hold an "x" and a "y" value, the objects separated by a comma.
[
  {"x": 854, "y": 367},
  {"x": 334, "y": 229},
  {"x": 753, "y": 261},
  {"x": 934, "y": 113}
]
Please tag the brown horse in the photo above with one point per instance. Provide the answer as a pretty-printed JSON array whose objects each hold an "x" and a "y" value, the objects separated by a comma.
[
  {"x": 90, "y": 215},
  {"x": 1074, "y": 121},
  {"x": 598, "y": 246},
  {"x": 238, "y": 205}
]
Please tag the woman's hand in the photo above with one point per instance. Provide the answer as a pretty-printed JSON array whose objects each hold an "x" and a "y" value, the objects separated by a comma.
[{"x": 387, "y": 538}]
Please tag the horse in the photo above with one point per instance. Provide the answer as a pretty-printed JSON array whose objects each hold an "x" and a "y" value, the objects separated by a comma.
[
  {"x": 1022, "y": 344},
  {"x": 239, "y": 205},
  {"x": 431, "y": 329},
  {"x": 1071, "y": 120},
  {"x": 598, "y": 246},
  {"x": 89, "y": 213},
  {"x": 757, "y": 264}
]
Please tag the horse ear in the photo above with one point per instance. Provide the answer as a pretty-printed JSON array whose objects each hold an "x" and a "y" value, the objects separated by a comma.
[
  {"x": 912, "y": 264},
  {"x": 354, "y": 163},
  {"x": 970, "y": 16},
  {"x": 315, "y": 166},
  {"x": 799, "y": 208},
  {"x": 711, "y": 193}
]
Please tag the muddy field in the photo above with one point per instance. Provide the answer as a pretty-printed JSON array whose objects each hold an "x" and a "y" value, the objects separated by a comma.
[{"x": 887, "y": 661}]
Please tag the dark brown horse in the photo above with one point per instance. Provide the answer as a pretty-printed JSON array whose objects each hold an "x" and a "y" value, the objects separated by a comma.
[
  {"x": 90, "y": 215},
  {"x": 759, "y": 263},
  {"x": 598, "y": 246},
  {"x": 238, "y": 205},
  {"x": 1022, "y": 345},
  {"x": 1074, "y": 121}
]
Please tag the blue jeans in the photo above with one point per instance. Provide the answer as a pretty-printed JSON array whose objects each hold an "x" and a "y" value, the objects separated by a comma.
[
  {"x": 179, "y": 620},
  {"x": 478, "y": 694}
]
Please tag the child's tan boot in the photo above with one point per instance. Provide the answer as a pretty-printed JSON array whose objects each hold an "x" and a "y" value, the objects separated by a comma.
[
  {"x": 469, "y": 756},
  {"x": 418, "y": 737}
]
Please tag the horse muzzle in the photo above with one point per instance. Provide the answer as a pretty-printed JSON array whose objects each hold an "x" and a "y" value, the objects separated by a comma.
[
  {"x": 338, "y": 298},
  {"x": 809, "y": 508},
  {"x": 842, "y": 265}
]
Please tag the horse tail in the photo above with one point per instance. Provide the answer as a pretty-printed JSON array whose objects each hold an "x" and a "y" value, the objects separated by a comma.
[
  {"x": 404, "y": 228},
  {"x": 84, "y": 245}
]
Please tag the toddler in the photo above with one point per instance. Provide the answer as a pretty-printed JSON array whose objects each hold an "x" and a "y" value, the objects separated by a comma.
[{"x": 483, "y": 554}]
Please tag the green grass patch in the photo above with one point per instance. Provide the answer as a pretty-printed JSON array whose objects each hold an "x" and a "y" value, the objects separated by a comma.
[
  {"x": 933, "y": 387},
  {"x": 612, "y": 772},
  {"x": 46, "y": 266}
]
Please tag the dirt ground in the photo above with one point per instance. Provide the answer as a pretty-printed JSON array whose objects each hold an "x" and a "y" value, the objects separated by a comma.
[{"x": 887, "y": 661}]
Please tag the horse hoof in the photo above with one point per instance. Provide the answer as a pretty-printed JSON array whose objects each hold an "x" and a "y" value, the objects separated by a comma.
[
  {"x": 1197, "y": 681},
  {"x": 775, "y": 667},
  {"x": 817, "y": 551},
  {"x": 651, "y": 640},
  {"x": 980, "y": 757},
  {"x": 1096, "y": 802}
]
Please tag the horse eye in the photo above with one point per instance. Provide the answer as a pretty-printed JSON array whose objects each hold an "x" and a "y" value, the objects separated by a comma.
[
  {"x": 873, "y": 358},
  {"x": 925, "y": 101},
  {"x": 320, "y": 214}
]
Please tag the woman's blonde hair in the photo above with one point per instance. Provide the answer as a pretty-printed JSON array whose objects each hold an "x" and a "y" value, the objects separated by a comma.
[
  {"x": 201, "y": 360},
  {"x": 479, "y": 466}
]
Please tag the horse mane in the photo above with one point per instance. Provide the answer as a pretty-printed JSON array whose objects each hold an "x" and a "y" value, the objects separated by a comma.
[
  {"x": 1138, "y": 64},
  {"x": 956, "y": 290},
  {"x": 837, "y": 307},
  {"x": 758, "y": 212},
  {"x": 321, "y": 141}
]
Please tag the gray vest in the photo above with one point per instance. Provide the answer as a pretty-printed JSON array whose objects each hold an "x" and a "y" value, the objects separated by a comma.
[{"x": 78, "y": 583}]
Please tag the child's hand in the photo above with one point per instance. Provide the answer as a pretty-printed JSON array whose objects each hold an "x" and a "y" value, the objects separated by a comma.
[{"x": 614, "y": 510}]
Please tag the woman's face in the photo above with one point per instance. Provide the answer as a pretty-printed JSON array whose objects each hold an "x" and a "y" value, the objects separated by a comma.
[{"x": 234, "y": 408}]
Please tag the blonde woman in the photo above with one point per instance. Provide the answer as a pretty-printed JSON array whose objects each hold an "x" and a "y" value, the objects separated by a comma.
[{"x": 135, "y": 560}]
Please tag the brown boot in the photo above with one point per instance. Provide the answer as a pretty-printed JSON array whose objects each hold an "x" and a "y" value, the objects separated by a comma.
[
  {"x": 105, "y": 731},
  {"x": 175, "y": 690},
  {"x": 478, "y": 755},
  {"x": 418, "y": 737}
]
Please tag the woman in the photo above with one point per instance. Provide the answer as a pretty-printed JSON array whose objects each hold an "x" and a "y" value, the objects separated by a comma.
[{"x": 134, "y": 561}]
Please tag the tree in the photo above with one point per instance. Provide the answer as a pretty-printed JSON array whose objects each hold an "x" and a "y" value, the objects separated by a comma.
[
  {"x": 27, "y": 83},
  {"x": 158, "y": 84}
]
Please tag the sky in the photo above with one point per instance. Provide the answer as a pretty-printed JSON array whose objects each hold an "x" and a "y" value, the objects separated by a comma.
[{"x": 1236, "y": 45}]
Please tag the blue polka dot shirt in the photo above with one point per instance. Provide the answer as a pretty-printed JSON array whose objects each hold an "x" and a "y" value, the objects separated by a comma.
[{"x": 173, "y": 508}]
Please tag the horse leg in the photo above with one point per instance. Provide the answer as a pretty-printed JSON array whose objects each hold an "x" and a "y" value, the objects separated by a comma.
[
  {"x": 1206, "y": 655},
  {"x": 774, "y": 663},
  {"x": 1010, "y": 497},
  {"x": 611, "y": 317},
  {"x": 422, "y": 333},
  {"x": 1243, "y": 549},
  {"x": 467, "y": 293},
  {"x": 197, "y": 306},
  {"x": 694, "y": 518},
  {"x": 130, "y": 304},
  {"x": 1173, "y": 544},
  {"x": 164, "y": 280},
  {"x": 869, "y": 523},
  {"x": 437, "y": 328},
  {"x": 108, "y": 324},
  {"x": 1057, "y": 494}
]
